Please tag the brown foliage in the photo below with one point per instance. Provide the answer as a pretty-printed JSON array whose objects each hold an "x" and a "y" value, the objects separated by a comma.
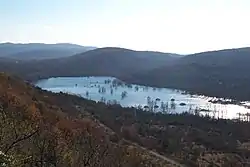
[{"x": 42, "y": 129}]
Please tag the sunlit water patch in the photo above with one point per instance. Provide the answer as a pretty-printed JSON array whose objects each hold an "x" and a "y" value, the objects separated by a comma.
[{"x": 111, "y": 90}]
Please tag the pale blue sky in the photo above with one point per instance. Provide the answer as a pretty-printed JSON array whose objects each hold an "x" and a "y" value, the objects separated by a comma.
[{"x": 180, "y": 26}]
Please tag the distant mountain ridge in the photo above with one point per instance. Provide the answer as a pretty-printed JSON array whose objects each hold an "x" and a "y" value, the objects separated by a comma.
[
  {"x": 40, "y": 51},
  {"x": 114, "y": 62},
  {"x": 223, "y": 73}
]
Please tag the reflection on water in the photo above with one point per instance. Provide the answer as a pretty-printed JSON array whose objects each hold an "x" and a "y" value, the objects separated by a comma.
[{"x": 111, "y": 90}]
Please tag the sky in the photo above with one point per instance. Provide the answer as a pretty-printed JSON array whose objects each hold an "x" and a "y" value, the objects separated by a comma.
[{"x": 176, "y": 26}]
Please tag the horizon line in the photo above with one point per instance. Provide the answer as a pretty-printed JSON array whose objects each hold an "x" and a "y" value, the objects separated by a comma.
[{"x": 96, "y": 47}]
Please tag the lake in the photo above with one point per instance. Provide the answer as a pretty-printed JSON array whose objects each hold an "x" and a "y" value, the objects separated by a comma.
[{"x": 111, "y": 90}]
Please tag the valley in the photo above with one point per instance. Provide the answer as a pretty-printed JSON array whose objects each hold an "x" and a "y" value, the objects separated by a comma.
[{"x": 126, "y": 108}]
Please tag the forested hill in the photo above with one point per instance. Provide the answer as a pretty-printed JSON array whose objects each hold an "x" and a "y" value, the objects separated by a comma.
[
  {"x": 223, "y": 73},
  {"x": 115, "y": 62},
  {"x": 39, "y": 128}
]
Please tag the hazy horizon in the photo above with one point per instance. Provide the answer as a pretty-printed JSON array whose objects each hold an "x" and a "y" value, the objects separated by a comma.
[
  {"x": 126, "y": 48},
  {"x": 162, "y": 25}
]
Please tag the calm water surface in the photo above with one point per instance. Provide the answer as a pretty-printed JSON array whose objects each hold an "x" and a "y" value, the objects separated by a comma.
[{"x": 97, "y": 88}]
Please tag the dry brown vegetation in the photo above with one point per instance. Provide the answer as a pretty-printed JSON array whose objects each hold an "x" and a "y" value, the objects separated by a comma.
[
  {"x": 42, "y": 129},
  {"x": 189, "y": 139}
]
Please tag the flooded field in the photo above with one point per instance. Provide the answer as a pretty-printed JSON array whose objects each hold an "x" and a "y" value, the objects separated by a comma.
[{"x": 111, "y": 90}]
